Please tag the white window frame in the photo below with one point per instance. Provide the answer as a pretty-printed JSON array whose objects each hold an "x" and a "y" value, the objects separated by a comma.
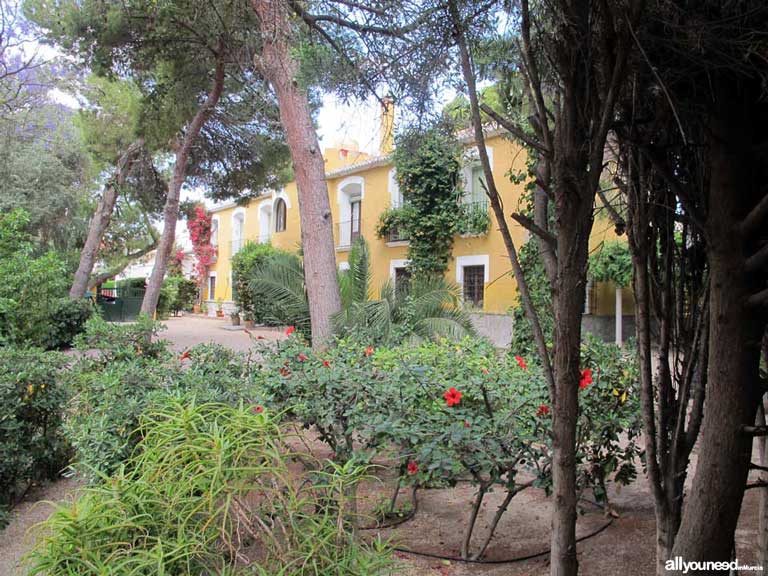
[
  {"x": 471, "y": 161},
  {"x": 348, "y": 190},
  {"x": 394, "y": 264}
]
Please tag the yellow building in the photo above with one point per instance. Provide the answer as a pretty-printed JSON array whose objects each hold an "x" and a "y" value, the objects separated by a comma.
[{"x": 361, "y": 187}]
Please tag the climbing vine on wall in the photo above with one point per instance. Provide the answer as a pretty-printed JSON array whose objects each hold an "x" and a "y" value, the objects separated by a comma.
[
  {"x": 199, "y": 224},
  {"x": 612, "y": 262},
  {"x": 428, "y": 166}
]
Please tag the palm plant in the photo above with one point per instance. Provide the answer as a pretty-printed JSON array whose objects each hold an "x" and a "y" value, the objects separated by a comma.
[
  {"x": 424, "y": 308},
  {"x": 280, "y": 281}
]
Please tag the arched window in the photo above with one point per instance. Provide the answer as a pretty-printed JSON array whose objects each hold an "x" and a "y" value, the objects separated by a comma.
[{"x": 280, "y": 211}]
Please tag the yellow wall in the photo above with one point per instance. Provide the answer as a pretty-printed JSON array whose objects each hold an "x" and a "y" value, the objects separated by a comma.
[{"x": 500, "y": 292}]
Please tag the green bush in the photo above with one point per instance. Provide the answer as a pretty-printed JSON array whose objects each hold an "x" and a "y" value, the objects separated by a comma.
[
  {"x": 176, "y": 294},
  {"x": 127, "y": 378},
  {"x": 32, "y": 445},
  {"x": 68, "y": 320},
  {"x": 207, "y": 481},
  {"x": 247, "y": 265},
  {"x": 116, "y": 342}
]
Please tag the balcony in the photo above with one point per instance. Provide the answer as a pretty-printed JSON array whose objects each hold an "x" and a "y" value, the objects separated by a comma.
[
  {"x": 474, "y": 219},
  {"x": 347, "y": 231},
  {"x": 396, "y": 233}
]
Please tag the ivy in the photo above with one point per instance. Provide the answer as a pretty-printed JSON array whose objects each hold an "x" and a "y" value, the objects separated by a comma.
[
  {"x": 428, "y": 165},
  {"x": 612, "y": 263}
]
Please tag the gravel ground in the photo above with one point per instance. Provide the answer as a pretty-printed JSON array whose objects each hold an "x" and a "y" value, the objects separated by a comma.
[{"x": 190, "y": 330}]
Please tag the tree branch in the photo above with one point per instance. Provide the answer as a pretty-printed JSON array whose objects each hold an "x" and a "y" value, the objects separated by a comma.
[
  {"x": 755, "y": 217},
  {"x": 755, "y": 430},
  {"x": 533, "y": 228},
  {"x": 759, "y": 299},
  {"x": 514, "y": 129}
]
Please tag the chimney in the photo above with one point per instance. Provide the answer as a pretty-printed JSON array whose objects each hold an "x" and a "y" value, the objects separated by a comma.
[{"x": 387, "y": 125}]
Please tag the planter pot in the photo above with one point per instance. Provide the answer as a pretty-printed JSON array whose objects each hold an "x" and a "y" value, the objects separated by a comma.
[
  {"x": 196, "y": 308},
  {"x": 235, "y": 320},
  {"x": 249, "y": 324},
  {"x": 219, "y": 313}
]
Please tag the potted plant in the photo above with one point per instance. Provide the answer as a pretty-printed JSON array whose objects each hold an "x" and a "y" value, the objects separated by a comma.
[
  {"x": 220, "y": 308},
  {"x": 235, "y": 317},
  {"x": 248, "y": 320}
]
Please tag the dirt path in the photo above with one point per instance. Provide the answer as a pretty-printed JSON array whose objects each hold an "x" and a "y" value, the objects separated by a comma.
[
  {"x": 186, "y": 331},
  {"x": 18, "y": 538}
]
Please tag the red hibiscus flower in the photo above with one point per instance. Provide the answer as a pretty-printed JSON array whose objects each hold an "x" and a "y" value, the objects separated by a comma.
[
  {"x": 543, "y": 410},
  {"x": 484, "y": 370},
  {"x": 259, "y": 337},
  {"x": 184, "y": 356},
  {"x": 467, "y": 424},
  {"x": 586, "y": 378},
  {"x": 258, "y": 409},
  {"x": 302, "y": 357},
  {"x": 452, "y": 397},
  {"x": 326, "y": 364},
  {"x": 521, "y": 362},
  {"x": 284, "y": 371},
  {"x": 290, "y": 330},
  {"x": 369, "y": 351},
  {"x": 412, "y": 468}
]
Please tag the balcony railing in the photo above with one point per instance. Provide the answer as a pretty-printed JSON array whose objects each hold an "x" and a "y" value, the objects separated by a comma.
[
  {"x": 347, "y": 231},
  {"x": 474, "y": 219},
  {"x": 396, "y": 234}
]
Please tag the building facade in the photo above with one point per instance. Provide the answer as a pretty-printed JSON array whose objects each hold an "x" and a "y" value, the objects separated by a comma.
[{"x": 361, "y": 187}]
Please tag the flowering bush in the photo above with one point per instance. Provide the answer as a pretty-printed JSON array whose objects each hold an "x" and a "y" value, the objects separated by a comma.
[
  {"x": 199, "y": 224},
  {"x": 453, "y": 411}
]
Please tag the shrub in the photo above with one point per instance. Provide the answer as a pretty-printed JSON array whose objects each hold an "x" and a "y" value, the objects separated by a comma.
[
  {"x": 176, "y": 294},
  {"x": 206, "y": 481},
  {"x": 247, "y": 265},
  {"x": 68, "y": 320},
  {"x": 32, "y": 446},
  {"x": 116, "y": 342}
]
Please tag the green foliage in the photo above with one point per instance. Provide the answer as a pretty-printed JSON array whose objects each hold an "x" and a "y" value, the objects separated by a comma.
[
  {"x": 279, "y": 288},
  {"x": 428, "y": 165},
  {"x": 608, "y": 443},
  {"x": 541, "y": 294},
  {"x": 32, "y": 401},
  {"x": 46, "y": 170},
  {"x": 473, "y": 219},
  {"x": 426, "y": 307},
  {"x": 366, "y": 401},
  {"x": 68, "y": 319},
  {"x": 396, "y": 220},
  {"x": 247, "y": 265},
  {"x": 126, "y": 377},
  {"x": 32, "y": 290},
  {"x": 612, "y": 262},
  {"x": 116, "y": 342},
  {"x": 198, "y": 481},
  {"x": 176, "y": 294}
]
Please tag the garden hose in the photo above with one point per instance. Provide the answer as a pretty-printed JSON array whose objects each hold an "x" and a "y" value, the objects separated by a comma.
[{"x": 503, "y": 561}]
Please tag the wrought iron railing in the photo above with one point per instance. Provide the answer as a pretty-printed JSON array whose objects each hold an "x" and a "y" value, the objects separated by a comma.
[{"x": 474, "y": 218}]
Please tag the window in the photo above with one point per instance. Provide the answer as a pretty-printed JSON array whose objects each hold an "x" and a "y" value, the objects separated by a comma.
[
  {"x": 212, "y": 288},
  {"x": 474, "y": 285},
  {"x": 215, "y": 232},
  {"x": 476, "y": 187},
  {"x": 354, "y": 231},
  {"x": 402, "y": 278},
  {"x": 280, "y": 215}
]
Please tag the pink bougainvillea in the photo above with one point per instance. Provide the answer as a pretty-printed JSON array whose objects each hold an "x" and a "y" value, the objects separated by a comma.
[{"x": 200, "y": 229}]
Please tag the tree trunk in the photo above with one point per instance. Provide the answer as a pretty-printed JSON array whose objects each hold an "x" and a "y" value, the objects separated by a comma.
[
  {"x": 733, "y": 388},
  {"x": 762, "y": 518},
  {"x": 100, "y": 221},
  {"x": 574, "y": 215},
  {"x": 171, "y": 209},
  {"x": 280, "y": 68}
]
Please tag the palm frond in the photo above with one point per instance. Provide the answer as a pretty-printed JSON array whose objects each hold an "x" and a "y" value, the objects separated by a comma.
[{"x": 281, "y": 281}]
